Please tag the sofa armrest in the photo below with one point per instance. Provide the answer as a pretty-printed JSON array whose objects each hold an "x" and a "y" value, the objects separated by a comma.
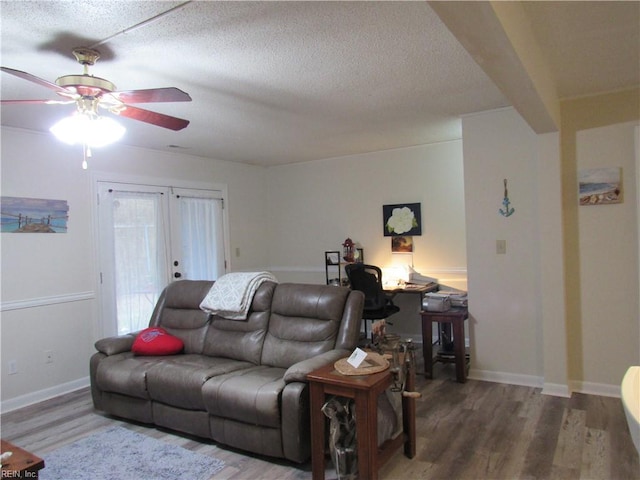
[
  {"x": 113, "y": 345},
  {"x": 298, "y": 371}
]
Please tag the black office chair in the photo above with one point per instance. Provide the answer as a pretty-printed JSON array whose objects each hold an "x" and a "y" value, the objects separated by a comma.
[{"x": 368, "y": 279}]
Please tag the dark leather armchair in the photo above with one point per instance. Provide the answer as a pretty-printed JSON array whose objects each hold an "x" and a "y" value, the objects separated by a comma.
[{"x": 378, "y": 304}]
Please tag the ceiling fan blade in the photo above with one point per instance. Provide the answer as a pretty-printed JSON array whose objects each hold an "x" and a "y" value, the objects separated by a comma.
[
  {"x": 34, "y": 79},
  {"x": 36, "y": 102},
  {"x": 169, "y": 94},
  {"x": 155, "y": 118}
]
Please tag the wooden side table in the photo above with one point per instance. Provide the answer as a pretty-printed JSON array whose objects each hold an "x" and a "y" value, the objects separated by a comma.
[
  {"x": 364, "y": 389},
  {"x": 454, "y": 318},
  {"x": 21, "y": 464}
]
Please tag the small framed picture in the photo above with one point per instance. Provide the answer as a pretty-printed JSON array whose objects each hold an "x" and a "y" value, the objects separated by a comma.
[{"x": 401, "y": 244}]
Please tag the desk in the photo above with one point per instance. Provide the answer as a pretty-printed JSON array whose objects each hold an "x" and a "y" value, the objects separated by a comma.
[
  {"x": 21, "y": 464},
  {"x": 454, "y": 317},
  {"x": 390, "y": 292},
  {"x": 411, "y": 288},
  {"x": 364, "y": 389}
]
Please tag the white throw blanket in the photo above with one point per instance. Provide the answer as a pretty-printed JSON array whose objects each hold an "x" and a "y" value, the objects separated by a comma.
[{"x": 231, "y": 295}]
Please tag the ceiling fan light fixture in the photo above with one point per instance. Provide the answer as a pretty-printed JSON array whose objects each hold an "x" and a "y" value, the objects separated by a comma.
[{"x": 88, "y": 129}]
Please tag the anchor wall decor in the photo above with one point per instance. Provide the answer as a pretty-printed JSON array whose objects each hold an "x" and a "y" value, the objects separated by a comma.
[{"x": 507, "y": 210}]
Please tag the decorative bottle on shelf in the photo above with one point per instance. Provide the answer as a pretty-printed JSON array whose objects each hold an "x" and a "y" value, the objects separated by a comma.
[{"x": 347, "y": 250}]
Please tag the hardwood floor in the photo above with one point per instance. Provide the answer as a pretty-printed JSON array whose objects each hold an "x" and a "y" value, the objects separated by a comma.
[{"x": 476, "y": 430}]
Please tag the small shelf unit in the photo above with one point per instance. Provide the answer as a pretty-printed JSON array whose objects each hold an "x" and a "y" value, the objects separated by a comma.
[{"x": 334, "y": 266}]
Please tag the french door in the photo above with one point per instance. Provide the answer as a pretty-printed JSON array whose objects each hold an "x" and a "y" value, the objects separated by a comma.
[{"x": 148, "y": 236}]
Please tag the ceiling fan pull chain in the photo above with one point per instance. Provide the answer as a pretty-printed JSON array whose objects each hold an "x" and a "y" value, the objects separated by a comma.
[{"x": 86, "y": 153}]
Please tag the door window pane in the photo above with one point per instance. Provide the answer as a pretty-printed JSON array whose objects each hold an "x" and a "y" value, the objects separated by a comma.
[
  {"x": 201, "y": 238},
  {"x": 139, "y": 256}
]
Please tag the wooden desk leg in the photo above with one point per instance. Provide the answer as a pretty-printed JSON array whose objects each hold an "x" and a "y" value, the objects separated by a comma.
[
  {"x": 367, "y": 428},
  {"x": 458, "y": 345},
  {"x": 427, "y": 346},
  {"x": 317, "y": 430},
  {"x": 409, "y": 415}
]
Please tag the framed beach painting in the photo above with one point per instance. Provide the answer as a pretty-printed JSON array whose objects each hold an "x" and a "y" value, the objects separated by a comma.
[
  {"x": 34, "y": 215},
  {"x": 600, "y": 186}
]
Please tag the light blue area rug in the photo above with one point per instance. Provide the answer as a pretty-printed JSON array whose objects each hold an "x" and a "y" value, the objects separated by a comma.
[{"x": 120, "y": 453}]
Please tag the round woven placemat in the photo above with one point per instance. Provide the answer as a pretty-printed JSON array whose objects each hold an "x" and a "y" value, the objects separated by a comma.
[{"x": 374, "y": 363}]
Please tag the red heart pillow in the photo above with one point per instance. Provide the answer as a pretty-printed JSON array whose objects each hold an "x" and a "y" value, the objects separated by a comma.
[{"x": 156, "y": 341}]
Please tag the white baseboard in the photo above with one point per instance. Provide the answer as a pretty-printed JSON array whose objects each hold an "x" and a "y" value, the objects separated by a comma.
[
  {"x": 556, "y": 390},
  {"x": 41, "y": 395},
  {"x": 504, "y": 377},
  {"x": 590, "y": 388}
]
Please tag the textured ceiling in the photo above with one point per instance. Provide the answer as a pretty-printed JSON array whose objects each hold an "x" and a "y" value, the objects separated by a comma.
[
  {"x": 591, "y": 47},
  {"x": 282, "y": 82}
]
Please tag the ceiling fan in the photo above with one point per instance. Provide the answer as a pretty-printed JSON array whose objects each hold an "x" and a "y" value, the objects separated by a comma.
[{"x": 90, "y": 93}]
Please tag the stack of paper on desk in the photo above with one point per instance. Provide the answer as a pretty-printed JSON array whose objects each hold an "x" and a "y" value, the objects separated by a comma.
[{"x": 418, "y": 278}]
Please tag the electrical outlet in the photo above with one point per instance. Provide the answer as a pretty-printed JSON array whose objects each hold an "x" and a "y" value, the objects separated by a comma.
[
  {"x": 13, "y": 367},
  {"x": 501, "y": 247},
  {"x": 48, "y": 356}
]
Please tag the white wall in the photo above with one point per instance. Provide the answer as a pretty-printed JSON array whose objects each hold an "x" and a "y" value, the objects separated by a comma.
[
  {"x": 315, "y": 206},
  {"x": 519, "y": 332},
  {"x": 49, "y": 288},
  {"x": 504, "y": 289},
  {"x": 608, "y": 249}
]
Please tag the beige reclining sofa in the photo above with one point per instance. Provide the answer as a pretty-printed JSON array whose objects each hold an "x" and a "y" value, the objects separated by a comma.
[{"x": 239, "y": 382}]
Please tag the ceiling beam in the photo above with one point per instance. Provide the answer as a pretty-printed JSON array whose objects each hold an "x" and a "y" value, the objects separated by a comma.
[{"x": 499, "y": 38}]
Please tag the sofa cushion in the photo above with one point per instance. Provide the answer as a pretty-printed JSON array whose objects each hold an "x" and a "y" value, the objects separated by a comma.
[
  {"x": 242, "y": 339},
  {"x": 178, "y": 312},
  {"x": 250, "y": 396},
  {"x": 305, "y": 320},
  {"x": 178, "y": 380},
  {"x": 156, "y": 341}
]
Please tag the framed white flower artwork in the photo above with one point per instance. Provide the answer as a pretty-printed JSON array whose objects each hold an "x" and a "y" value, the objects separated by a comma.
[{"x": 403, "y": 219}]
